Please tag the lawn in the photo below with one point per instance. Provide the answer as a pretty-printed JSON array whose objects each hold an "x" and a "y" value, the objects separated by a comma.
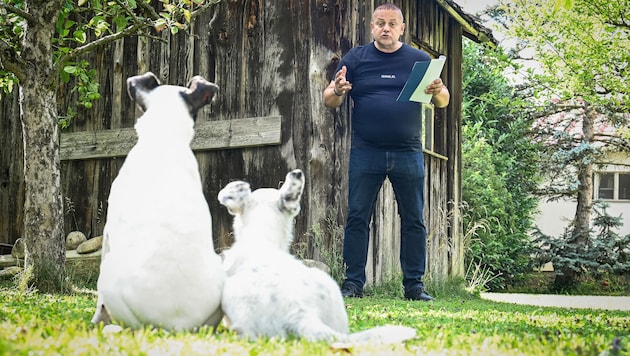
[{"x": 32, "y": 323}]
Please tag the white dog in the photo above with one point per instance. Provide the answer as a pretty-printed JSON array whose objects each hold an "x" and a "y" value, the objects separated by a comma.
[
  {"x": 268, "y": 292},
  {"x": 158, "y": 264}
]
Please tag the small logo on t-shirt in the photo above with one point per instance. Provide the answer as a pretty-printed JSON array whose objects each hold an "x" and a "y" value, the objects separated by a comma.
[{"x": 388, "y": 76}]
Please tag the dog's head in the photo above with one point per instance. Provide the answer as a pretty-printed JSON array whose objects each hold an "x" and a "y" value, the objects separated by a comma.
[
  {"x": 169, "y": 106},
  {"x": 265, "y": 215}
]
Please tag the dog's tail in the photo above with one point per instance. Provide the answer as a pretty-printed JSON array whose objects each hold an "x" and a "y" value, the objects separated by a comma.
[{"x": 387, "y": 334}]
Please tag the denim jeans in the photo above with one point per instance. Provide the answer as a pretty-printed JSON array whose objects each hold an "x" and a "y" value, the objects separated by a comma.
[{"x": 405, "y": 171}]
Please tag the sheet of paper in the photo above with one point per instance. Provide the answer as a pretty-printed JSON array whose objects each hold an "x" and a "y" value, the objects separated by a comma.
[{"x": 422, "y": 74}]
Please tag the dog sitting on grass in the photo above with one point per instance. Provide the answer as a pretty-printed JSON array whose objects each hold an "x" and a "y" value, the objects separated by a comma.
[
  {"x": 158, "y": 265},
  {"x": 268, "y": 292}
]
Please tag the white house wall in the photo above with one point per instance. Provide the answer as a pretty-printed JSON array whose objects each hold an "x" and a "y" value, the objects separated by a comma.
[{"x": 555, "y": 216}]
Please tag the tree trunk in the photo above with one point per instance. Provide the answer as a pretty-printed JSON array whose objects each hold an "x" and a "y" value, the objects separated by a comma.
[
  {"x": 581, "y": 232},
  {"x": 43, "y": 206}
]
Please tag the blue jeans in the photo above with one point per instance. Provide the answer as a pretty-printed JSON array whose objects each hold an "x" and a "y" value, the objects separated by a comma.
[{"x": 405, "y": 171}]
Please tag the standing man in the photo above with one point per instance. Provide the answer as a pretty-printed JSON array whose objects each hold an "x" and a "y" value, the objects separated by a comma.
[{"x": 385, "y": 143}]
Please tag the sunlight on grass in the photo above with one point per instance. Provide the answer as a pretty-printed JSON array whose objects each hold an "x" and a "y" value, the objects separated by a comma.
[{"x": 42, "y": 324}]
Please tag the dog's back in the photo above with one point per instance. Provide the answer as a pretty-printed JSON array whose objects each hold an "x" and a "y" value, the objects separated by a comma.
[
  {"x": 159, "y": 266},
  {"x": 268, "y": 292}
]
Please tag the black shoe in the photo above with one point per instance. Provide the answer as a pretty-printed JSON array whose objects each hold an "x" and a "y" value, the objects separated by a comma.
[
  {"x": 418, "y": 294},
  {"x": 350, "y": 290}
]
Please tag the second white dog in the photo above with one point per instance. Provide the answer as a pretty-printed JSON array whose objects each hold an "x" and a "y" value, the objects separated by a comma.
[{"x": 268, "y": 292}]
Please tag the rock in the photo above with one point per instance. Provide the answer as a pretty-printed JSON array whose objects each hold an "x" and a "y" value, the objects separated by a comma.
[
  {"x": 317, "y": 264},
  {"x": 18, "y": 249},
  {"x": 91, "y": 245},
  {"x": 9, "y": 272},
  {"x": 74, "y": 239}
]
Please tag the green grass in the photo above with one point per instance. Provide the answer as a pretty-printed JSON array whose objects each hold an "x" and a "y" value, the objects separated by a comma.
[{"x": 456, "y": 323}]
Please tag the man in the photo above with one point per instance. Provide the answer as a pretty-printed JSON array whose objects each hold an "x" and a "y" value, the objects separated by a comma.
[{"x": 385, "y": 143}]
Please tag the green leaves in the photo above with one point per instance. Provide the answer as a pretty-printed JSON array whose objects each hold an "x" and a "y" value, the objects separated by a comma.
[
  {"x": 582, "y": 47},
  {"x": 86, "y": 24},
  {"x": 498, "y": 172},
  {"x": 567, "y": 4},
  {"x": 86, "y": 86}
]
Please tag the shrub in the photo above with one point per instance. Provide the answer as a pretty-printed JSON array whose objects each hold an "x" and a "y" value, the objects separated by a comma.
[{"x": 605, "y": 252}]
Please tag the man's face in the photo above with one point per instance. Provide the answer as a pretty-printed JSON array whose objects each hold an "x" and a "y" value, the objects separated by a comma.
[{"x": 387, "y": 27}]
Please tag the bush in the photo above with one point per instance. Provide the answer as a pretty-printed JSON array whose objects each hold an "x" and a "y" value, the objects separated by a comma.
[
  {"x": 499, "y": 170},
  {"x": 605, "y": 252}
]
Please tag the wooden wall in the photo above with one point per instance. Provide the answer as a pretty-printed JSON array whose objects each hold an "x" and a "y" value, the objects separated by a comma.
[{"x": 271, "y": 59}]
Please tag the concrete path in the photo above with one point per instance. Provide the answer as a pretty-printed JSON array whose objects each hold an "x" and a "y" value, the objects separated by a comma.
[{"x": 566, "y": 301}]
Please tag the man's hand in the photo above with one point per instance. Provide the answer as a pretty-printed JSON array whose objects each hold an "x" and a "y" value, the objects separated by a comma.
[
  {"x": 435, "y": 87},
  {"x": 441, "y": 95},
  {"x": 337, "y": 89},
  {"x": 342, "y": 86}
]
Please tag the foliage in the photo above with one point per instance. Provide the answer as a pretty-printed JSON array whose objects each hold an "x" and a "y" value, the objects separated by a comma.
[
  {"x": 582, "y": 50},
  {"x": 455, "y": 324},
  {"x": 578, "y": 89},
  {"x": 478, "y": 277},
  {"x": 580, "y": 60},
  {"x": 605, "y": 253},
  {"x": 499, "y": 168},
  {"x": 86, "y": 24}
]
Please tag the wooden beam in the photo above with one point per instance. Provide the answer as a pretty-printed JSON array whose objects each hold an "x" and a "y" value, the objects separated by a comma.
[
  {"x": 7, "y": 261},
  {"x": 209, "y": 135},
  {"x": 71, "y": 256}
]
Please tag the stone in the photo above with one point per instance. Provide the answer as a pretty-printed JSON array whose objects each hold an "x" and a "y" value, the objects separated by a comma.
[
  {"x": 317, "y": 264},
  {"x": 91, "y": 245},
  {"x": 18, "y": 249},
  {"x": 74, "y": 239}
]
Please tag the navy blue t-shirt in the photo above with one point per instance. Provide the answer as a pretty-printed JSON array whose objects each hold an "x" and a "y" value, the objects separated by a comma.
[{"x": 379, "y": 122}]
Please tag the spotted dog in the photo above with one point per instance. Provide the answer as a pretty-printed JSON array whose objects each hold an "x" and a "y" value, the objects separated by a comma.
[
  {"x": 270, "y": 293},
  {"x": 158, "y": 264}
]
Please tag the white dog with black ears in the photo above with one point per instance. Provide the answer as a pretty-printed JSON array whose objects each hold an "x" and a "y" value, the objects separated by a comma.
[
  {"x": 270, "y": 293},
  {"x": 158, "y": 265}
]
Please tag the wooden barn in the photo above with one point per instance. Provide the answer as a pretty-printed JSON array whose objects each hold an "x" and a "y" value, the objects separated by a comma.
[{"x": 272, "y": 60}]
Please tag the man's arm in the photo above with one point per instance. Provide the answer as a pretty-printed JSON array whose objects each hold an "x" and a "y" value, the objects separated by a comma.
[{"x": 332, "y": 100}]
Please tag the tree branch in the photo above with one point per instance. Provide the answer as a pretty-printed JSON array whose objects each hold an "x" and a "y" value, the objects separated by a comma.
[
  {"x": 127, "y": 9},
  {"x": 23, "y": 14},
  {"x": 148, "y": 10},
  {"x": 99, "y": 42},
  {"x": 11, "y": 61}
]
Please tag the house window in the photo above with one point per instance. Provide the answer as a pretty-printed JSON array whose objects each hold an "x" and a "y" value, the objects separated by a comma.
[
  {"x": 624, "y": 186},
  {"x": 613, "y": 186},
  {"x": 606, "y": 186}
]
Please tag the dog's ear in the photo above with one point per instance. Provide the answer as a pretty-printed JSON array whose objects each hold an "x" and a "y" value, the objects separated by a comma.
[
  {"x": 138, "y": 85},
  {"x": 200, "y": 92},
  {"x": 291, "y": 192},
  {"x": 234, "y": 196}
]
